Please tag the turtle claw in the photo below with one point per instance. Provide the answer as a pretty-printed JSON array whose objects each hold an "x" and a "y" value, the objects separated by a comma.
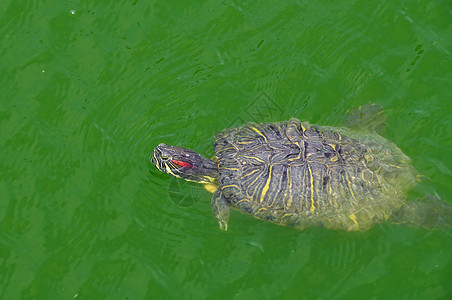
[{"x": 223, "y": 225}]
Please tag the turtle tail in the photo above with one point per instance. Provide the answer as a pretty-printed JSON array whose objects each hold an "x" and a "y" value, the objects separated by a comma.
[{"x": 427, "y": 213}]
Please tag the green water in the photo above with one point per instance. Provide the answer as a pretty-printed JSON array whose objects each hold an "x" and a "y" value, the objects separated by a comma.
[{"x": 88, "y": 88}]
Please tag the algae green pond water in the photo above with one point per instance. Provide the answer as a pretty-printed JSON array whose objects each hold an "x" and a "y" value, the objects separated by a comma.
[{"x": 89, "y": 88}]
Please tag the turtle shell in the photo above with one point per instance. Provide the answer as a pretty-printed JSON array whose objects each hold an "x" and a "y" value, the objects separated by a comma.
[{"x": 302, "y": 175}]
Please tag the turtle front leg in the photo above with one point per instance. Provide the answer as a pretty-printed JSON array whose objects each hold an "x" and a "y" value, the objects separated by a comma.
[{"x": 220, "y": 209}]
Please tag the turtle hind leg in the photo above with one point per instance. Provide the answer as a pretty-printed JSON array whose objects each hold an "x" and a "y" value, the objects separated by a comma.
[
  {"x": 368, "y": 117},
  {"x": 426, "y": 213},
  {"x": 220, "y": 209}
]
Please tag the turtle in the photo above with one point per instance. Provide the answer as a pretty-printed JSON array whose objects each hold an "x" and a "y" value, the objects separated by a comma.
[{"x": 301, "y": 175}]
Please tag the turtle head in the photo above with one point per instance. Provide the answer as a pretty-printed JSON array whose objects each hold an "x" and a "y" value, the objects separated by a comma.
[{"x": 184, "y": 163}]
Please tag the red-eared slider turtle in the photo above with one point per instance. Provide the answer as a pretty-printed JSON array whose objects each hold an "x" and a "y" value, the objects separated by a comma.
[{"x": 297, "y": 174}]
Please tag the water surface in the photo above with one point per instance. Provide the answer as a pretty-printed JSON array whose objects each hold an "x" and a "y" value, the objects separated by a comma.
[{"x": 89, "y": 88}]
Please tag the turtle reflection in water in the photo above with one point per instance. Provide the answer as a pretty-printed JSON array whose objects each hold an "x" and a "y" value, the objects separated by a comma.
[{"x": 301, "y": 175}]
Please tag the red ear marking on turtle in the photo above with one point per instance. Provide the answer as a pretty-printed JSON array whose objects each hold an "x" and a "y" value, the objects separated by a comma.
[{"x": 182, "y": 163}]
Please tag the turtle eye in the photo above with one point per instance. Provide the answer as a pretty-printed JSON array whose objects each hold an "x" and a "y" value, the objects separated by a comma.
[{"x": 165, "y": 157}]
